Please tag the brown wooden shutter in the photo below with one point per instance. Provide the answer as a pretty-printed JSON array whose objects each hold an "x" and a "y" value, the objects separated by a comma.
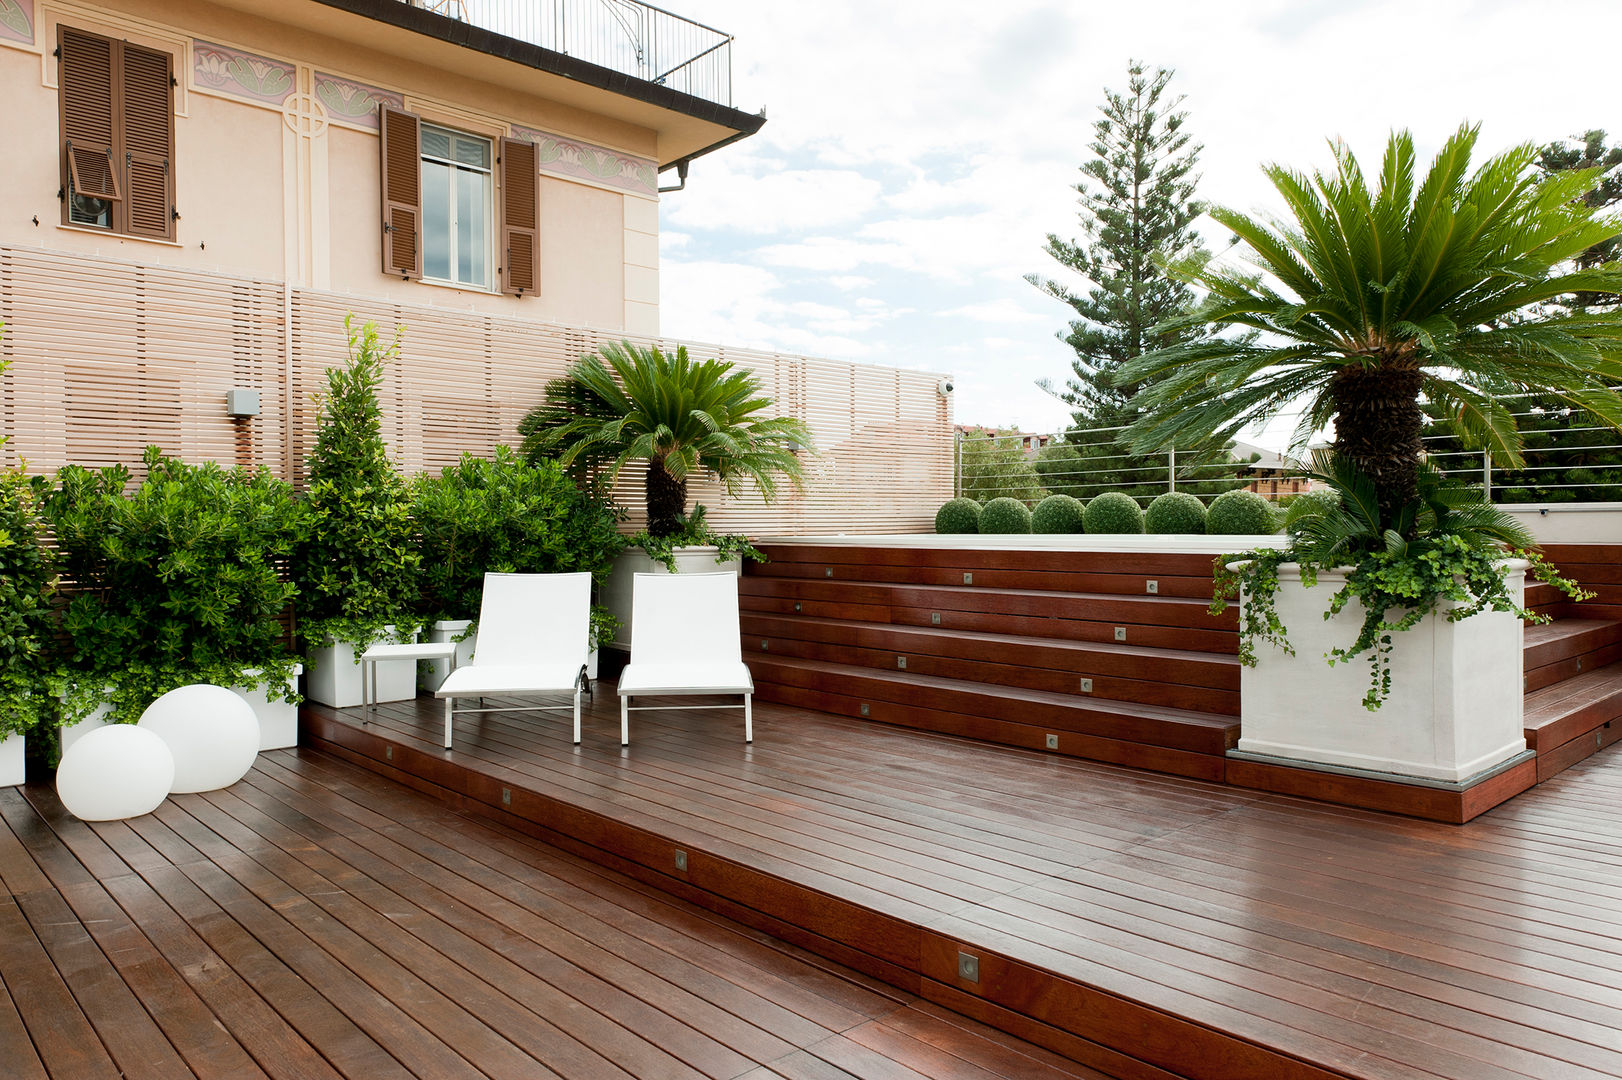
[
  {"x": 520, "y": 218},
  {"x": 89, "y": 116},
  {"x": 402, "y": 192},
  {"x": 149, "y": 141}
]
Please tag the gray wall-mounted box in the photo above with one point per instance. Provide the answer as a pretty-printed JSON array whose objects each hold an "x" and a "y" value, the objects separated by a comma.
[{"x": 242, "y": 403}]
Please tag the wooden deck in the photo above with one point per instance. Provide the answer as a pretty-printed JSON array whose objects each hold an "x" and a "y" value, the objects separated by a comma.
[
  {"x": 318, "y": 921},
  {"x": 1147, "y": 925}
]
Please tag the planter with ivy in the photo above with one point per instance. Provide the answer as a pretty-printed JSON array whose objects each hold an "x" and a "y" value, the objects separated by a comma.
[
  {"x": 1368, "y": 651},
  {"x": 503, "y": 515},
  {"x": 696, "y": 549},
  {"x": 357, "y": 568},
  {"x": 175, "y": 581}
]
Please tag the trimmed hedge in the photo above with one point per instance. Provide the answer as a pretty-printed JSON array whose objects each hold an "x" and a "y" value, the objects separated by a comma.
[
  {"x": 1058, "y": 514},
  {"x": 1241, "y": 513},
  {"x": 1005, "y": 516},
  {"x": 1113, "y": 512},
  {"x": 958, "y": 516},
  {"x": 1175, "y": 512}
]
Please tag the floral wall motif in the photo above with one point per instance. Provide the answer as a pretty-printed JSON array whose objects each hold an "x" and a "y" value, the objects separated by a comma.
[
  {"x": 241, "y": 74},
  {"x": 351, "y": 102},
  {"x": 569, "y": 157},
  {"x": 17, "y": 20}
]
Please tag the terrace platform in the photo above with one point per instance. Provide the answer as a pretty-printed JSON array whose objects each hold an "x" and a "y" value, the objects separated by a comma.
[
  {"x": 1146, "y": 925},
  {"x": 318, "y": 921}
]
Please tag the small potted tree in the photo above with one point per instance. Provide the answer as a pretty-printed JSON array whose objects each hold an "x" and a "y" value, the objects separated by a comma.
[
  {"x": 1369, "y": 305},
  {"x": 681, "y": 418},
  {"x": 505, "y": 515},
  {"x": 356, "y": 569}
]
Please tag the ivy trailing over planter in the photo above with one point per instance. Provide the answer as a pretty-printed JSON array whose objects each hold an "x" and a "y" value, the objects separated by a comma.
[
  {"x": 174, "y": 582},
  {"x": 356, "y": 570},
  {"x": 695, "y": 531},
  {"x": 1452, "y": 555}
]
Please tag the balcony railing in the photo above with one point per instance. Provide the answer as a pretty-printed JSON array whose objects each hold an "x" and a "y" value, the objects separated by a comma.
[{"x": 627, "y": 36}]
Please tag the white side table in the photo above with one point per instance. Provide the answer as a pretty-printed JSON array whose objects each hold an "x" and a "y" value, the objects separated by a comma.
[{"x": 423, "y": 650}]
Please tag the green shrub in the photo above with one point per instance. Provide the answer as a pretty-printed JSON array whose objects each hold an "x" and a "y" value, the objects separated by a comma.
[
  {"x": 27, "y": 580},
  {"x": 958, "y": 516},
  {"x": 175, "y": 582},
  {"x": 505, "y": 515},
  {"x": 1175, "y": 512},
  {"x": 1241, "y": 513},
  {"x": 1057, "y": 514},
  {"x": 1005, "y": 516},
  {"x": 357, "y": 570},
  {"x": 1113, "y": 512}
]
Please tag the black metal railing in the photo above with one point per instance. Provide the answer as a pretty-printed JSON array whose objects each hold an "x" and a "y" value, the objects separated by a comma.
[{"x": 627, "y": 36}]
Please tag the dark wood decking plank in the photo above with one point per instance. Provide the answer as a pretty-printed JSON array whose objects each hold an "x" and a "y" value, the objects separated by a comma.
[
  {"x": 16, "y": 1048},
  {"x": 62, "y": 1035}
]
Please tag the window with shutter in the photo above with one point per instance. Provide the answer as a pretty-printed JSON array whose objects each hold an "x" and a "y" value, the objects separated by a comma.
[
  {"x": 117, "y": 135},
  {"x": 402, "y": 192},
  {"x": 520, "y": 218}
]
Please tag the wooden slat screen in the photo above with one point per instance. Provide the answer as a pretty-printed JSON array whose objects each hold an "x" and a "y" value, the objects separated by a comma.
[
  {"x": 147, "y": 82},
  {"x": 520, "y": 218},
  {"x": 402, "y": 192},
  {"x": 169, "y": 343},
  {"x": 88, "y": 120}
]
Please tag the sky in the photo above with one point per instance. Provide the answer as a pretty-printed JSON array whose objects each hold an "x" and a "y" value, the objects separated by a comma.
[{"x": 916, "y": 155}]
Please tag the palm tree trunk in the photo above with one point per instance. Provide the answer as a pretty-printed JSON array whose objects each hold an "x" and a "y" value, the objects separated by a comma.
[
  {"x": 1378, "y": 427},
  {"x": 667, "y": 500}
]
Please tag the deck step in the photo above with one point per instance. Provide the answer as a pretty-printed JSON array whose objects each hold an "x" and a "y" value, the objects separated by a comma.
[
  {"x": 1184, "y": 741},
  {"x": 1178, "y": 678},
  {"x": 1573, "y": 708},
  {"x": 1566, "y": 648}
]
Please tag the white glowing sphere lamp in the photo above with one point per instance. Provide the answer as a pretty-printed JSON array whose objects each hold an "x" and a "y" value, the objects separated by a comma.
[
  {"x": 116, "y": 772},
  {"x": 213, "y": 734}
]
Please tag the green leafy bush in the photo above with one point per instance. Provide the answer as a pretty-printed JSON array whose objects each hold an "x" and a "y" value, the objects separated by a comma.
[
  {"x": 27, "y": 579},
  {"x": 1241, "y": 513},
  {"x": 357, "y": 569},
  {"x": 1113, "y": 512},
  {"x": 958, "y": 516},
  {"x": 505, "y": 515},
  {"x": 692, "y": 530},
  {"x": 1005, "y": 516},
  {"x": 1057, "y": 514},
  {"x": 175, "y": 582},
  {"x": 1175, "y": 512}
]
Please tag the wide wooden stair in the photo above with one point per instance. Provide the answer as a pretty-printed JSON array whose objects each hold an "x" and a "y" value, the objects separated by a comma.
[{"x": 1110, "y": 656}]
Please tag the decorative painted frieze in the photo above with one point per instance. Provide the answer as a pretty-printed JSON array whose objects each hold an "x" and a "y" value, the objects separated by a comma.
[
  {"x": 581, "y": 160},
  {"x": 351, "y": 102},
  {"x": 17, "y": 20},
  {"x": 224, "y": 70}
]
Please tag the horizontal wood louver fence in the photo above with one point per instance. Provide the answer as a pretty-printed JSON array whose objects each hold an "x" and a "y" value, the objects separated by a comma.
[{"x": 108, "y": 357}]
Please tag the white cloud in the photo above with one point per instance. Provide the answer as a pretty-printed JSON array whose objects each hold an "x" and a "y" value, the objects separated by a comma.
[
  {"x": 1002, "y": 311},
  {"x": 850, "y": 282},
  {"x": 759, "y": 197}
]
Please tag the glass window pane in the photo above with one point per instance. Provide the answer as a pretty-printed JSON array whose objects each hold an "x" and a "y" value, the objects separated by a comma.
[
  {"x": 475, "y": 152},
  {"x": 436, "y": 220},
  {"x": 473, "y": 227},
  {"x": 436, "y": 142}
]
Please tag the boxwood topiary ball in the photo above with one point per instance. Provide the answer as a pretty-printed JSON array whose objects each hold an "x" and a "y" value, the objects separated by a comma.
[
  {"x": 958, "y": 516},
  {"x": 1175, "y": 512},
  {"x": 1005, "y": 516},
  {"x": 1113, "y": 512},
  {"x": 1057, "y": 514},
  {"x": 1241, "y": 513}
]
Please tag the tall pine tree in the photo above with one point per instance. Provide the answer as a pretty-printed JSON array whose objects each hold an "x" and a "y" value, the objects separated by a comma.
[{"x": 1137, "y": 211}]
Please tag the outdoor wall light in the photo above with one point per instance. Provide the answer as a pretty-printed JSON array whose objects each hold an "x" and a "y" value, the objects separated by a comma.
[{"x": 240, "y": 403}]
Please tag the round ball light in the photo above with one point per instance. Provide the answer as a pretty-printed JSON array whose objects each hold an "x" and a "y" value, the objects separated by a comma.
[
  {"x": 116, "y": 772},
  {"x": 213, "y": 734}
]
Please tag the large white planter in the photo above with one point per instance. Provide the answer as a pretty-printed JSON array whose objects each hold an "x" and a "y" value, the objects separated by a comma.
[
  {"x": 616, "y": 595},
  {"x": 333, "y": 676},
  {"x": 72, "y": 733},
  {"x": 430, "y": 673},
  {"x": 11, "y": 761},
  {"x": 1455, "y": 705},
  {"x": 278, "y": 719}
]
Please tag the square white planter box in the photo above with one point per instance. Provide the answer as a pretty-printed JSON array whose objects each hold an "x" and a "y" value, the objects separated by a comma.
[
  {"x": 433, "y": 672},
  {"x": 1455, "y": 707},
  {"x": 11, "y": 761},
  {"x": 278, "y": 719},
  {"x": 72, "y": 733},
  {"x": 333, "y": 675},
  {"x": 616, "y": 595}
]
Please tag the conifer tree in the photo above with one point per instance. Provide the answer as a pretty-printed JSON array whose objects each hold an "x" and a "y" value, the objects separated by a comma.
[{"x": 1137, "y": 210}]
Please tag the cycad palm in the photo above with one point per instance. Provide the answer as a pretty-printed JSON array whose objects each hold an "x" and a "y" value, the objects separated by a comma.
[
  {"x": 683, "y": 417},
  {"x": 1367, "y": 301}
]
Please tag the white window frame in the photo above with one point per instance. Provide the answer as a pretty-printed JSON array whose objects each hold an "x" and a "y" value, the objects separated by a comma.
[{"x": 491, "y": 238}]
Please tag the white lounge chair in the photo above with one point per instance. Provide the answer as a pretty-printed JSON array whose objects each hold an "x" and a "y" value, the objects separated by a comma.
[
  {"x": 534, "y": 636},
  {"x": 685, "y": 640}
]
